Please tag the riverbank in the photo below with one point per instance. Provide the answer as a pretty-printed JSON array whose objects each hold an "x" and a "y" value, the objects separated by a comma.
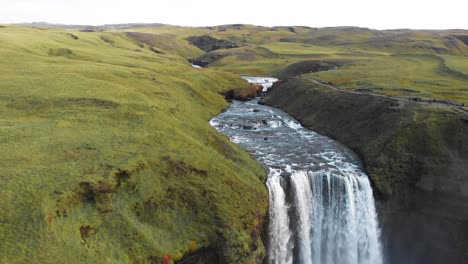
[{"x": 415, "y": 156}]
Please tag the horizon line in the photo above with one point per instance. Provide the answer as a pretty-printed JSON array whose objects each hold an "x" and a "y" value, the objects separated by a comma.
[{"x": 219, "y": 25}]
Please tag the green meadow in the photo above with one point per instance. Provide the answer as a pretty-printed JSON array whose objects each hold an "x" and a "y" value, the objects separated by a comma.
[
  {"x": 107, "y": 155},
  {"x": 406, "y": 63},
  {"x": 423, "y": 76}
]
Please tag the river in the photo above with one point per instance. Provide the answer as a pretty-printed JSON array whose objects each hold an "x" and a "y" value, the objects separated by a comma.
[{"x": 322, "y": 208}]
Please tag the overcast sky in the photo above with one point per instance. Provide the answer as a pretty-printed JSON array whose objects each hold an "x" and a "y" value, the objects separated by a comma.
[{"x": 389, "y": 14}]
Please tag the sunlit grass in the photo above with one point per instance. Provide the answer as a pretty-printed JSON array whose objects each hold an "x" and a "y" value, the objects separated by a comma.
[
  {"x": 457, "y": 63},
  {"x": 405, "y": 75},
  {"x": 288, "y": 48},
  {"x": 107, "y": 155}
]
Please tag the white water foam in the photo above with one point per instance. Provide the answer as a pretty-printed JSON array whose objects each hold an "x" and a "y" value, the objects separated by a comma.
[
  {"x": 335, "y": 219},
  {"x": 265, "y": 82}
]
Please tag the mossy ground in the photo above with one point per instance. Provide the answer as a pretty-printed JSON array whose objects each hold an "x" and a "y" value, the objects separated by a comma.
[
  {"x": 107, "y": 155},
  {"x": 423, "y": 76}
]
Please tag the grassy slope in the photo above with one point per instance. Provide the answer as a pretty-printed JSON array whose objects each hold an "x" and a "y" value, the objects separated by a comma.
[
  {"x": 457, "y": 63},
  {"x": 401, "y": 62},
  {"x": 405, "y": 75},
  {"x": 107, "y": 155}
]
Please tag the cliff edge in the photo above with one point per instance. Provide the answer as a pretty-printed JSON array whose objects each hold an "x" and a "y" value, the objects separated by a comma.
[{"x": 415, "y": 155}]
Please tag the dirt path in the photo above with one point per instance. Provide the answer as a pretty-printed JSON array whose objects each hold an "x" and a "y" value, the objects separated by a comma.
[{"x": 402, "y": 101}]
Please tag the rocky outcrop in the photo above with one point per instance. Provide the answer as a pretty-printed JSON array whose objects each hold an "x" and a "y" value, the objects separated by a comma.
[
  {"x": 307, "y": 66},
  {"x": 208, "y": 58},
  {"x": 463, "y": 38},
  {"x": 208, "y": 43},
  {"x": 416, "y": 157},
  {"x": 243, "y": 93},
  {"x": 201, "y": 256}
]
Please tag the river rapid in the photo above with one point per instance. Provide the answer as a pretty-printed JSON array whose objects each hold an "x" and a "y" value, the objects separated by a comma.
[{"x": 321, "y": 203}]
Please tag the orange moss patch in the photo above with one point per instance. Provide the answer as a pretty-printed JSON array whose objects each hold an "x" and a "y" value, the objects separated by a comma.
[
  {"x": 50, "y": 218},
  {"x": 166, "y": 259}
]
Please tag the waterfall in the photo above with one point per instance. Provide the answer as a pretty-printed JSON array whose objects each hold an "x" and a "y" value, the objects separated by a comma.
[
  {"x": 303, "y": 198},
  {"x": 280, "y": 233},
  {"x": 329, "y": 219},
  {"x": 321, "y": 204}
]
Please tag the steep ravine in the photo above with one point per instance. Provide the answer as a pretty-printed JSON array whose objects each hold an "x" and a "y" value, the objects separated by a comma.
[{"x": 416, "y": 157}]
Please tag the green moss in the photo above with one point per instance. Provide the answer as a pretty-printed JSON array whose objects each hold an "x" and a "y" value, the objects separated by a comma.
[
  {"x": 422, "y": 148},
  {"x": 60, "y": 52},
  {"x": 408, "y": 75},
  {"x": 108, "y": 155}
]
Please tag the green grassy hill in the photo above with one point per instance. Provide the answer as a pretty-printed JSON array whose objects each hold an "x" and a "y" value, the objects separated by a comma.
[
  {"x": 107, "y": 155},
  {"x": 406, "y": 63}
]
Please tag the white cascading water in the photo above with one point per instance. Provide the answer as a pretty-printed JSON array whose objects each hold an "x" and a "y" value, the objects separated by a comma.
[
  {"x": 280, "y": 234},
  {"x": 303, "y": 198},
  {"x": 322, "y": 208},
  {"x": 333, "y": 219}
]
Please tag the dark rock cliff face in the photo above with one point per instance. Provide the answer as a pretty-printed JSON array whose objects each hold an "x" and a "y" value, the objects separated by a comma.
[
  {"x": 416, "y": 157},
  {"x": 202, "y": 256},
  {"x": 207, "y": 58},
  {"x": 307, "y": 66},
  {"x": 463, "y": 38},
  {"x": 208, "y": 43}
]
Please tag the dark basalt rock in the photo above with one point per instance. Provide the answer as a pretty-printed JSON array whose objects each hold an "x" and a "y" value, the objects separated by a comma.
[
  {"x": 241, "y": 94},
  {"x": 208, "y": 43},
  {"x": 463, "y": 38},
  {"x": 303, "y": 67},
  {"x": 201, "y": 256},
  {"x": 208, "y": 58}
]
